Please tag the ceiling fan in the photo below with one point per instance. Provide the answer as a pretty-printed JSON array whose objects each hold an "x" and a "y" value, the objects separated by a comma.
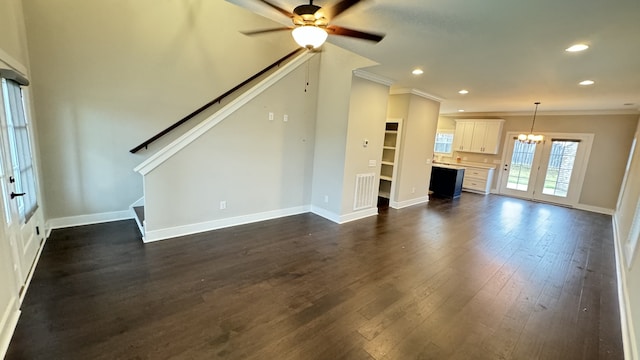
[{"x": 311, "y": 23}]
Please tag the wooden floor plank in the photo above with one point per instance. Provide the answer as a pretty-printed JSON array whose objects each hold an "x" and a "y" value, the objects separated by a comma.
[{"x": 479, "y": 277}]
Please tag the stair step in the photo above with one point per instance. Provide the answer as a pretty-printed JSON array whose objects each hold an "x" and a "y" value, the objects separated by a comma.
[{"x": 139, "y": 210}]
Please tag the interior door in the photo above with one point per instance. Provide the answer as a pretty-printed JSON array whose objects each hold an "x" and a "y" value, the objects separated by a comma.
[{"x": 552, "y": 171}]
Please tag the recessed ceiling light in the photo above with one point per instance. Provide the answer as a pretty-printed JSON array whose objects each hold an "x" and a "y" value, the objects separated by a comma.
[
  {"x": 577, "y": 47},
  {"x": 587, "y": 82},
  {"x": 463, "y": 92},
  {"x": 417, "y": 72},
  {"x": 460, "y": 110}
]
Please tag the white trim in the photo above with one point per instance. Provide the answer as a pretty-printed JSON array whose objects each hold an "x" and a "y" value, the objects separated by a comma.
[
  {"x": 411, "y": 202},
  {"x": 626, "y": 321},
  {"x": 13, "y": 63},
  {"x": 174, "y": 147},
  {"x": 79, "y": 220},
  {"x": 357, "y": 215},
  {"x": 32, "y": 270},
  {"x": 373, "y": 77},
  {"x": 325, "y": 214},
  {"x": 8, "y": 325},
  {"x": 139, "y": 202},
  {"x": 182, "y": 230},
  {"x": 595, "y": 209},
  {"x": 416, "y": 92}
]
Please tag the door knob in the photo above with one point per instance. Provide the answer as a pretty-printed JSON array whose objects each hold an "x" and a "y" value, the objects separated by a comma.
[{"x": 14, "y": 195}]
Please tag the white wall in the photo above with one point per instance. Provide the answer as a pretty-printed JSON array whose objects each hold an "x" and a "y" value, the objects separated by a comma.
[
  {"x": 367, "y": 117},
  {"x": 630, "y": 270},
  {"x": 107, "y": 75},
  {"x": 420, "y": 120},
  {"x": 254, "y": 164},
  {"x": 334, "y": 96}
]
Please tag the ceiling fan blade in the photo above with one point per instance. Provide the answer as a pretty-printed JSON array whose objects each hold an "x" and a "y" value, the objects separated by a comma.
[
  {"x": 264, "y": 31},
  {"x": 330, "y": 12},
  {"x": 338, "y": 30},
  {"x": 281, "y": 10}
]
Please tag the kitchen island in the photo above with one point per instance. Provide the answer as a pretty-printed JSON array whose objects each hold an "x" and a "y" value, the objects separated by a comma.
[{"x": 446, "y": 180}]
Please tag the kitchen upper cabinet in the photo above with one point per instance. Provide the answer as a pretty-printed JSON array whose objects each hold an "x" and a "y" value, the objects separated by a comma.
[
  {"x": 478, "y": 136},
  {"x": 463, "y": 136}
]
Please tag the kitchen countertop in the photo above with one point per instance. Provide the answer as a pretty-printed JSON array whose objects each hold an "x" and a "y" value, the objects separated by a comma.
[
  {"x": 464, "y": 165},
  {"x": 448, "y": 166}
]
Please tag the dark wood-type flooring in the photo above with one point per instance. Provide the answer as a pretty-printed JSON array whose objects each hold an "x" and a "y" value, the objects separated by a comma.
[{"x": 480, "y": 277}]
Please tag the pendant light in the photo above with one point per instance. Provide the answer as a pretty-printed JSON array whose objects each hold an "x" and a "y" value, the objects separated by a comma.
[{"x": 531, "y": 138}]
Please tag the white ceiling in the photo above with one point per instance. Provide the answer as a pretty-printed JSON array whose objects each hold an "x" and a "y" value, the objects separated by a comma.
[{"x": 507, "y": 53}]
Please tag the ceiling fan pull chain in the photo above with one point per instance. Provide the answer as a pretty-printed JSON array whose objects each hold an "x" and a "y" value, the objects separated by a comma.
[{"x": 307, "y": 78}]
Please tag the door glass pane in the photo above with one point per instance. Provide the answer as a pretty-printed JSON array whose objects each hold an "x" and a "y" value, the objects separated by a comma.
[
  {"x": 521, "y": 162},
  {"x": 561, "y": 160},
  {"x": 20, "y": 149}
]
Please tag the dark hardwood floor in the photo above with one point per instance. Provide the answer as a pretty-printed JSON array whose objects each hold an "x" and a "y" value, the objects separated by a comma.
[{"x": 480, "y": 277}]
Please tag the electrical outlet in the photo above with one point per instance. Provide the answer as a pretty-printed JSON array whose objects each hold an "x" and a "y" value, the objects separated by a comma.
[
  {"x": 413, "y": 190},
  {"x": 326, "y": 198},
  {"x": 372, "y": 163},
  {"x": 270, "y": 116},
  {"x": 285, "y": 118},
  {"x": 223, "y": 204}
]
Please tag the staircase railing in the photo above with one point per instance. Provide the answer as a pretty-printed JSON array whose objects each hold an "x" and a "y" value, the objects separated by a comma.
[{"x": 214, "y": 101}]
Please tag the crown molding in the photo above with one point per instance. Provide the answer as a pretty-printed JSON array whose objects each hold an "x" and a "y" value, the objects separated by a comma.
[
  {"x": 417, "y": 92},
  {"x": 544, "y": 113},
  {"x": 372, "y": 77}
]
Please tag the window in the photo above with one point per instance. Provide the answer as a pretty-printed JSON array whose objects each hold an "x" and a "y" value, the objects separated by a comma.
[
  {"x": 17, "y": 132},
  {"x": 444, "y": 142}
]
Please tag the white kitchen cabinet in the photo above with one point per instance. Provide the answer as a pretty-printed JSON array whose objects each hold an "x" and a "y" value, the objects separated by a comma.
[
  {"x": 477, "y": 179},
  {"x": 478, "y": 136},
  {"x": 463, "y": 136}
]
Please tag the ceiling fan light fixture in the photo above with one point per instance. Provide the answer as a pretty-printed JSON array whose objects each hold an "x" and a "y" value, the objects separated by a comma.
[{"x": 309, "y": 36}]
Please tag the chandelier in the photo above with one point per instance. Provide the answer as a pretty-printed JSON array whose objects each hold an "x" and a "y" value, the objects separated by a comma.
[{"x": 531, "y": 138}]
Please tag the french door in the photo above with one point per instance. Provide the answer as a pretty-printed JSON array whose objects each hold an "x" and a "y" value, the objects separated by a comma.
[
  {"x": 21, "y": 214},
  {"x": 551, "y": 171}
]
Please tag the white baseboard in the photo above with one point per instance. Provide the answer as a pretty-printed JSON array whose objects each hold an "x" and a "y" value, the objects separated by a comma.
[
  {"x": 406, "y": 203},
  {"x": 595, "y": 209},
  {"x": 58, "y": 223},
  {"x": 626, "y": 321},
  {"x": 358, "y": 215},
  {"x": 8, "y": 325},
  {"x": 325, "y": 214},
  {"x": 168, "y": 233},
  {"x": 341, "y": 219}
]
